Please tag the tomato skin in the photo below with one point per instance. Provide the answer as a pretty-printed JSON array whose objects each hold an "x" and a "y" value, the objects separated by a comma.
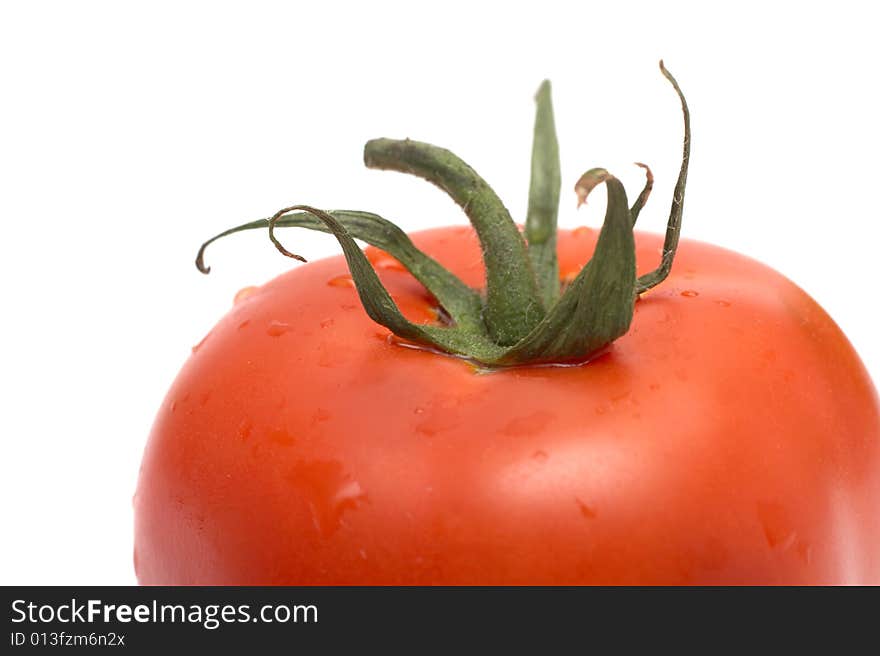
[{"x": 731, "y": 437}]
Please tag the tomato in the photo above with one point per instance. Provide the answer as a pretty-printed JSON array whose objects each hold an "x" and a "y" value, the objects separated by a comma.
[{"x": 731, "y": 436}]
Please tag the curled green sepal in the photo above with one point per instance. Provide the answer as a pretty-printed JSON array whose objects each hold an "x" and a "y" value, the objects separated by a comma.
[
  {"x": 637, "y": 206},
  {"x": 673, "y": 226},
  {"x": 513, "y": 306},
  {"x": 378, "y": 303},
  {"x": 515, "y": 322},
  {"x": 589, "y": 180},
  {"x": 462, "y": 303},
  {"x": 597, "y": 307}
]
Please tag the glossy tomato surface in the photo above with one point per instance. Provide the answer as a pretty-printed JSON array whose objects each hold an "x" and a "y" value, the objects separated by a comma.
[{"x": 732, "y": 436}]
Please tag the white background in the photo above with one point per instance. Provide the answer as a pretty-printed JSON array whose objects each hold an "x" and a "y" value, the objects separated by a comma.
[{"x": 130, "y": 132}]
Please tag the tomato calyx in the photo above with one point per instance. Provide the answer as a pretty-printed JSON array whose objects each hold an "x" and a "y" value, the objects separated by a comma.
[{"x": 525, "y": 315}]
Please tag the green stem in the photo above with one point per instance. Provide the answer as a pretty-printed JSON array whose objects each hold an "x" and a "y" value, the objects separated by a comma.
[
  {"x": 511, "y": 326},
  {"x": 546, "y": 182},
  {"x": 513, "y": 306}
]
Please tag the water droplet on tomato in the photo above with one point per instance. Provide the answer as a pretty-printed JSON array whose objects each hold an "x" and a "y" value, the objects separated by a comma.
[
  {"x": 201, "y": 343},
  {"x": 243, "y": 293},
  {"x": 328, "y": 491},
  {"x": 278, "y": 328},
  {"x": 586, "y": 511},
  {"x": 775, "y": 521},
  {"x": 388, "y": 263},
  {"x": 245, "y": 428},
  {"x": 690, "y": 293},
  {"x": 540, "y": 456},
  {"x": 363, "y": 554},
  {"x": 621, "y": 395},
  {"x": 244, "y": 324},
  {"x": 427, "y": 429},
  {"x": 529, "y": 424},
  {"x": 435, "y": 423},
  {"x": 281, "y": 436},
  {"x": 326, "y": 323},
  {"x": 341, "y": 281},
  {"x": 722, "y": 302},
  {"x": 805, "y": 551},
  {"x": 173, "y": 406}
]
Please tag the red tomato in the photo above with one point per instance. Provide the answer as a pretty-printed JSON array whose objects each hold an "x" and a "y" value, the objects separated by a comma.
[{"x": 731, "y": 436}]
